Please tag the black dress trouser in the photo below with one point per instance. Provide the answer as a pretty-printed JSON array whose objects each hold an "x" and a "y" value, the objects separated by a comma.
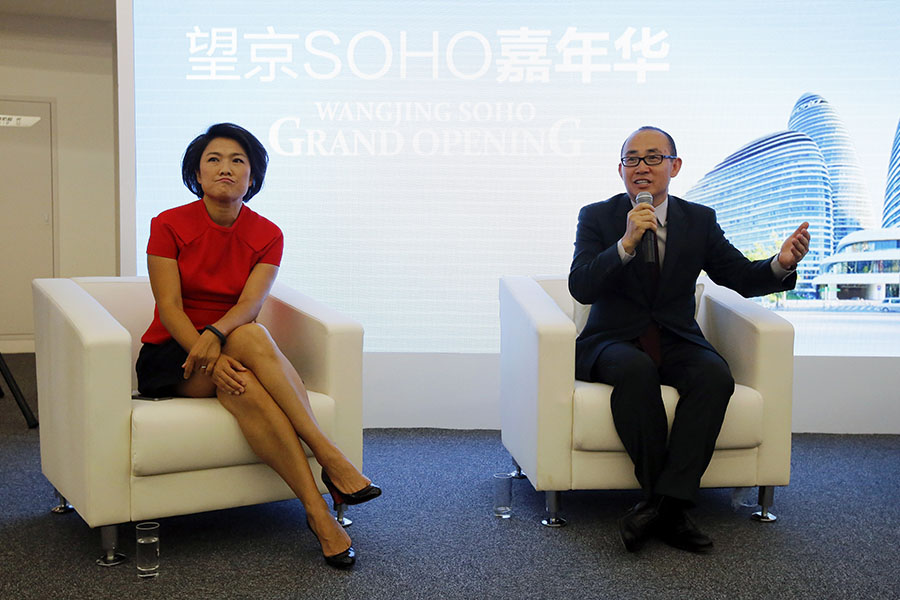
[{"x": 704, "y": 383}]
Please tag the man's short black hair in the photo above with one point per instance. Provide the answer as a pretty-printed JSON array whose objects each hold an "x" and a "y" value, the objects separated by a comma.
[
  {"x": 256, "y": 154},
  {"x": 652, "y": 128}
]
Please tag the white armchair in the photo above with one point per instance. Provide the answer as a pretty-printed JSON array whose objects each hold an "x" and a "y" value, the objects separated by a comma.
[
  {"x": 116, "y": 459},
  {"x": 560, "y": 432}
]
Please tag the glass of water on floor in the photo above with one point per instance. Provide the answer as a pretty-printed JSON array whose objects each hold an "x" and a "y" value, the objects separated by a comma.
[
  {"x": 147, "y": 549},
  {"x": 503, "y": 495}
]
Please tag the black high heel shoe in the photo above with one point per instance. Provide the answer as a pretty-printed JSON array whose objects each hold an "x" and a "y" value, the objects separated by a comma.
[
  {"x": 370, "y": 492},
  {"x": 342, "y": 560}
]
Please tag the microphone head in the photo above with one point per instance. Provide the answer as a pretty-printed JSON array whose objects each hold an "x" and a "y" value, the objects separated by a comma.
[{"x": 644, "y": 197}]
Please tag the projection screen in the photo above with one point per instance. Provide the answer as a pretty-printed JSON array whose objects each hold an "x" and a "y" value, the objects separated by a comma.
[{"x": 421, "y": 150}]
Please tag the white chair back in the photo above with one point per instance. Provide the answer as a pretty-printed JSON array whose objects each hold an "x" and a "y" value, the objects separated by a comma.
[{"x": 129, "y": 300}]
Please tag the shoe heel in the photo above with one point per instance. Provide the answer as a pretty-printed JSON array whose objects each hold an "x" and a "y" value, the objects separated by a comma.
[
  {"x": 339, "y": 507},
  {"x": 370, "y": 492},
  {"x": 336, "y": 498}
]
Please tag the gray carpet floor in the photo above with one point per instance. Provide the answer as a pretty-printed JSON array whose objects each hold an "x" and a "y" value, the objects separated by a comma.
[{"x": 432, "y": 534}]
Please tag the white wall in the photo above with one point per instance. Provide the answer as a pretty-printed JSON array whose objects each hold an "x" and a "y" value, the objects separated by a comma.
[
  {"x": 452, "y": 391},
  {"x": 71, "y": 61},
  {"x": 853, "y": 394}
]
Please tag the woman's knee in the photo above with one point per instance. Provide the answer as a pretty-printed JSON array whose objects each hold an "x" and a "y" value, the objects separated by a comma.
[{"x": 252, "y": 336}]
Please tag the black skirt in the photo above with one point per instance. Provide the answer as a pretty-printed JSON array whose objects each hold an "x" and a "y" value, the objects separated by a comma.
[{"x": 159, "y": 369}]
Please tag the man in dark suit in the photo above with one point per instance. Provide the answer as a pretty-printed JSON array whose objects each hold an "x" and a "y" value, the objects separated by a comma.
[{"x": 641, "y": 330}]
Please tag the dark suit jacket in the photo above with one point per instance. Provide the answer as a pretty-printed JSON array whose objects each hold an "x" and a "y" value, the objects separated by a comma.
[{"x": 621, "y": 307}]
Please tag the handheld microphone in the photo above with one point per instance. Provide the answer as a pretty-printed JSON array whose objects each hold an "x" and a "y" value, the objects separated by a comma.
[{"x": 648, "y": 243}]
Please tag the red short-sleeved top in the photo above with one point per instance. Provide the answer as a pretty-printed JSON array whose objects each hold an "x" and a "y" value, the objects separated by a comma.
[{"x": 214, "y": 261}]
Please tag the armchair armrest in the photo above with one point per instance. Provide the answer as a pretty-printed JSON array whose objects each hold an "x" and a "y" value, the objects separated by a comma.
[
  {"x": 325, "y": 347},
  {"x": 537, "y": 382},
  {"x": 759, "y": 347},
  {"x": 84, "y": 396}
]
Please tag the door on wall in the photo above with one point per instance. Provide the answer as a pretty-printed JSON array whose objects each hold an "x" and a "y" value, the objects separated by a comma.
[{"x": 26, "y": 211}]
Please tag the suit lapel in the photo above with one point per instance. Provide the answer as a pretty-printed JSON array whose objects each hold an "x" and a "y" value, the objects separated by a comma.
[
  {"x": 622, "y": 206},
  {"x": 676, "y": 235}
]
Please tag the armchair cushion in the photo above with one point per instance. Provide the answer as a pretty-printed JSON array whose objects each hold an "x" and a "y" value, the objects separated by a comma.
[
  {"x": 166, "y": 438},
  {"x": 593, "y": 427}
]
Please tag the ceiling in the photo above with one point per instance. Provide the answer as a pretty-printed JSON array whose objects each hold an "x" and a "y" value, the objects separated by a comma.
[{"x": 95, "y": 10}]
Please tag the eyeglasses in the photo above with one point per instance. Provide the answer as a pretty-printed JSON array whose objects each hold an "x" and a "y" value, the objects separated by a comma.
[{"x": 651, "y": 160}]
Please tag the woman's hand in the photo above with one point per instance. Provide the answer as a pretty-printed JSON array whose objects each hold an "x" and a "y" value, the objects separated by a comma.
[
  {"x": 203, "y": 355},
  {"x": 227, "y": 375}
]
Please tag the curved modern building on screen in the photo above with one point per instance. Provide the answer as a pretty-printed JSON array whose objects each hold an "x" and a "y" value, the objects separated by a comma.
[
  {"x": 891, "y": 216},
  {"x": 865, "y": 266},
  {"x": 815, "y": 117},
  {"x": 762, "y": 192}
]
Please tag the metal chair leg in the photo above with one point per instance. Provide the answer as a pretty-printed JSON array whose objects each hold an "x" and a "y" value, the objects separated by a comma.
[
  {"x": 62, "y": 507},
  {"x": 109, "y": 542},
  {"x": 517, "y": 474},
  {"x": 766, "y": 499},
  {"x": 553, "y": 519},
  {"x": 340, "y": 518}
]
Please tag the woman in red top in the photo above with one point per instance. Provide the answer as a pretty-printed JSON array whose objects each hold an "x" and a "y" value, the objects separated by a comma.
[{"x": 211, "y": 265}]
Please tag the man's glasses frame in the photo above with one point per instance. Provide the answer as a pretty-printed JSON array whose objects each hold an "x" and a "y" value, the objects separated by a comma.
[{"x": 651, "y": 160}]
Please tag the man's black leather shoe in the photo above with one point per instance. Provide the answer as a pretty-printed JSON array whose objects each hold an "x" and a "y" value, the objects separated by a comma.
[
  {"x": 678, "y": 530},
  {"x": 639, "y": 524}
]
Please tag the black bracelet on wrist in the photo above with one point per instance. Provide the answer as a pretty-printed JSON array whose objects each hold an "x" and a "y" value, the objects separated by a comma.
[{"x": 217, "y": 333}]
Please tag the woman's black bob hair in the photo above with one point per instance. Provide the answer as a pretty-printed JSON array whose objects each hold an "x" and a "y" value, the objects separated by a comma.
[{"x": 256, "y": 153}]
